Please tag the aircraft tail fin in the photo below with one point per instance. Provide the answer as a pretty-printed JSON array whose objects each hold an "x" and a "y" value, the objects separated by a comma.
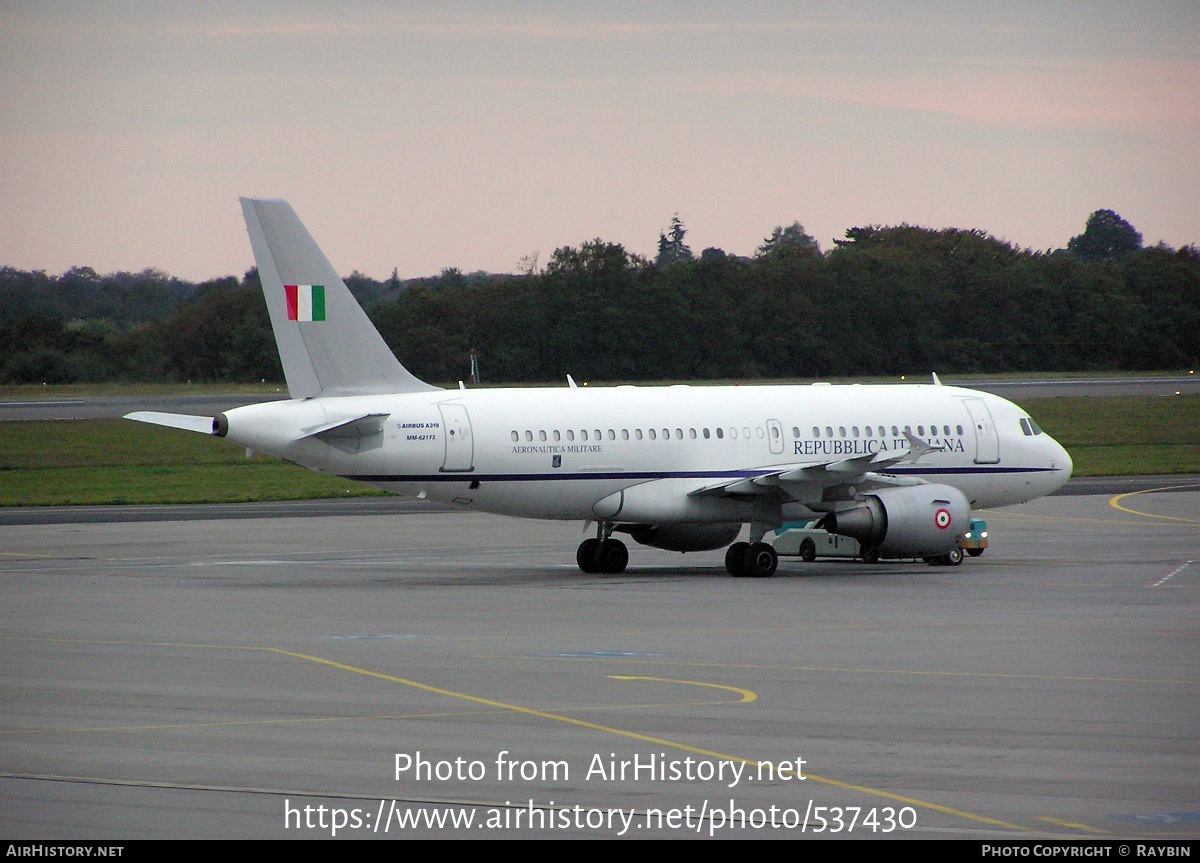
[{"x": 327, "y": 344}]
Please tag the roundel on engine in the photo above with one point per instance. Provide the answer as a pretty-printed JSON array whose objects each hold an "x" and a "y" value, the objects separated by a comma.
[{"x": 942, "y": 519}]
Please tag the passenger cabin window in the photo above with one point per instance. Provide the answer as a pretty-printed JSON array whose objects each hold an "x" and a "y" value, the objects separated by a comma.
[
  {"x": 515, "y": 436},
  {"x": 720, "y": 433}
]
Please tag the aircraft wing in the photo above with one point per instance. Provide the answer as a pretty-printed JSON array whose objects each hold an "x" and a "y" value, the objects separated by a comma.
[{"x": 810, "y": 482}]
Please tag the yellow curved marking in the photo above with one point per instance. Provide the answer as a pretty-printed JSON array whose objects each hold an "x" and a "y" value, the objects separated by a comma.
[
  {"x": 747, "y": 695},
  {"x": 1113, "y": 502},
  {"x": 645, "y": 738}
]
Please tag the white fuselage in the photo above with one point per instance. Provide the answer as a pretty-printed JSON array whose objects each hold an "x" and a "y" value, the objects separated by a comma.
[{"x": 554, "y": 453}]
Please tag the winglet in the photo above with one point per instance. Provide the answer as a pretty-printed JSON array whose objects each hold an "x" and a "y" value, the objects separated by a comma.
[
  {"x": 327, "y": 344},
  {"x": 918, "y": 447}
]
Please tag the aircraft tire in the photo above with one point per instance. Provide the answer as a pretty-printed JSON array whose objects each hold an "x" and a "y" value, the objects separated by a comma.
[
  {"x": 870, "y": 555},
  {"x": 612, "y": 556},
  {"x": 734, "y": 559},
  {"x": 808, "y": 551},
  {"x": 585, "y": 556},
  {"x": 954, "y": 557},
  {"x": 760, "y": 560}
]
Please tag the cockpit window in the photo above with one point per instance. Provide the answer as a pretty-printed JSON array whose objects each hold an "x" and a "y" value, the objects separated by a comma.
[{"x": 1029, "y": 427}]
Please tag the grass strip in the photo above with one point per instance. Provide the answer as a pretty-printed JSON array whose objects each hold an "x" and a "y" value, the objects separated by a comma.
[{"x": 113, "y": 461}]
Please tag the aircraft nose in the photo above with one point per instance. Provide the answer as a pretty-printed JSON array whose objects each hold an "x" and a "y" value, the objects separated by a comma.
[{"x": 1060, "y": 462}]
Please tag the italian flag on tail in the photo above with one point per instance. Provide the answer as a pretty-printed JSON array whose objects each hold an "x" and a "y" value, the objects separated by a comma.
[{"x": 305, "y": 302}]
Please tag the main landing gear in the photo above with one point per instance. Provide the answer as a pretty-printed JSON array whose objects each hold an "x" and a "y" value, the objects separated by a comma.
[
  {"x": 602, "y": 553},
  {"x": 751, "y": 560},
  {"x": 756, "y": 559}
]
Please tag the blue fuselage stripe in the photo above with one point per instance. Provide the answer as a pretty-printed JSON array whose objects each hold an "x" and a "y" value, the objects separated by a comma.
[{"x": 471, "y": 476}]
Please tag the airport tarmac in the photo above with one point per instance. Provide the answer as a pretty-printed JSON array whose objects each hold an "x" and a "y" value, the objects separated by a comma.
[{"x": 266, "y": 678}]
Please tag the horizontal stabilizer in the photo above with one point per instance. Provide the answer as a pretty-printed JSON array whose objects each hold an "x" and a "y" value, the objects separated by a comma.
[
  {"x": 361, "y": 426},
  {"x": 187, "y": 422}
]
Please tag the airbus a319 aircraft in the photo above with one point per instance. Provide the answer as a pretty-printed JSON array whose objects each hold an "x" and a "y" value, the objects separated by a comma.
[{"x": 897, "y": 467}]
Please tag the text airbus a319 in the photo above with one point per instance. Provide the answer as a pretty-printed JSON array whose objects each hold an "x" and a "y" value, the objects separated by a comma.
[{"x": 683, "y": 468}]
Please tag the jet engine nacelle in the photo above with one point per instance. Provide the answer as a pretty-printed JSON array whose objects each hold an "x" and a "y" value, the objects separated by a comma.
[
  {"x": 683, "y": 537},
  {"x": 910, "y": 521}
]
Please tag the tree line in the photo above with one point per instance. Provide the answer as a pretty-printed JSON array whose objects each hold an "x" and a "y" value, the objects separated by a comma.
[{"x": 884, "y": 300}]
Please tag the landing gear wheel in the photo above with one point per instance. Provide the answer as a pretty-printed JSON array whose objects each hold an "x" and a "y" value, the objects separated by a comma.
[
  {"x": 585, "y": 556},
  {"x": 612, "y": 556},
  {"x": 734, "y": 558},
  {"x": 870, "y": 554},
  {"x": 760, "y": 560},
  {"x": 808, "y": 551}
]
